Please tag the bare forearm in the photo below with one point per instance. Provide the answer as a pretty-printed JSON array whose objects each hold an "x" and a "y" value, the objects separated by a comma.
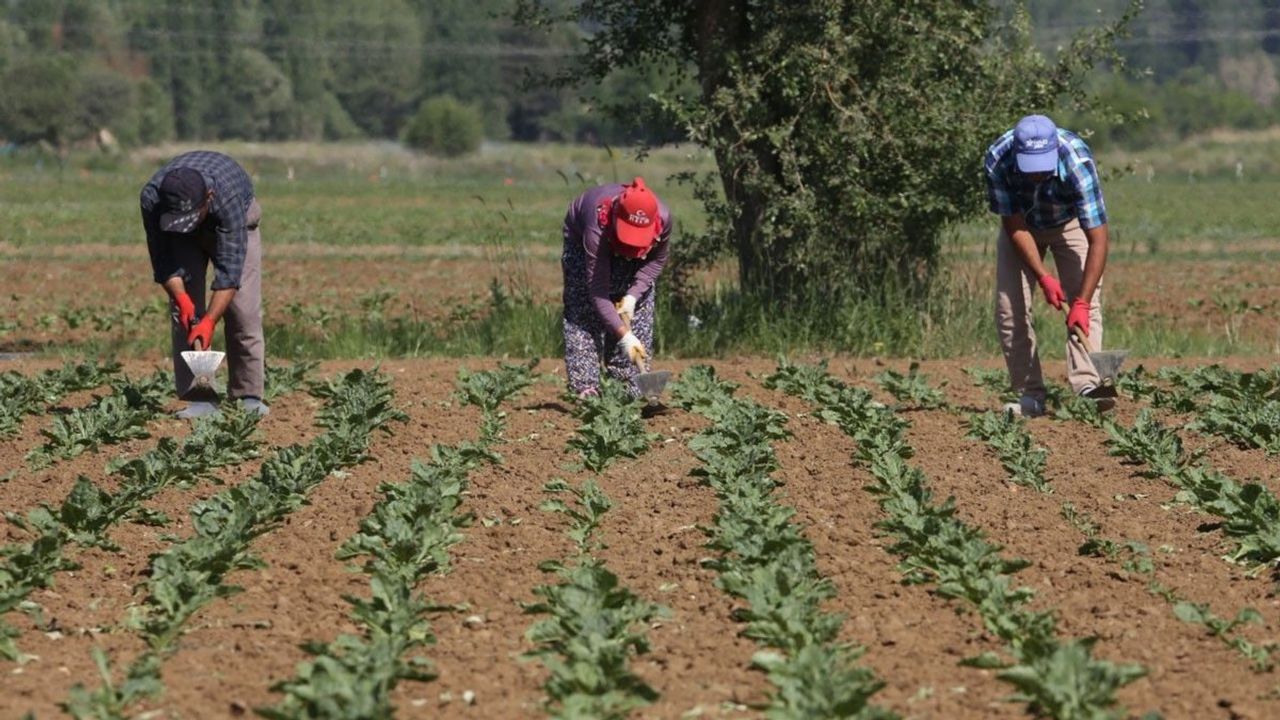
[
  {"x": 175, "y": 286},
  {"x": 1015, "y": 227},
  {"x": 1096, "y": 260},
  {"x": 219, "y": 303}
]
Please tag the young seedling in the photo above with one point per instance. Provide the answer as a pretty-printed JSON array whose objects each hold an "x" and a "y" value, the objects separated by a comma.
[
  {"x": 1018, "y": 453},
  {"x": 1055, "y": 677},
  {"x": 912, "y": 390},
  {"x": 611, "y": 427}
]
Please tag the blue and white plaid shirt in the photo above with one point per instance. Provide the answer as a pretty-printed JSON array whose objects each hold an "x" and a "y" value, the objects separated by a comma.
[
  {"x": 232, "y": 196},
  {"x": 1074, "y": 192}
]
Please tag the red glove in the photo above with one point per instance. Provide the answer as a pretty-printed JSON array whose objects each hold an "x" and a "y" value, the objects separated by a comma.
[
  {"x": 1053, "y": 292},
  {"x": 186, "y": 310},
  {"x": 202, "y": 331},
  {"x": 1079, "y": 315}
]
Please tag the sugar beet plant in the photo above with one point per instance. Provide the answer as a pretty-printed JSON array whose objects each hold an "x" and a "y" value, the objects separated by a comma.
[
  {"x": 88, "y": 513},
  {"x": 1008, "y": 437},
  {"x": 109, "y": 420},
  {"x": 404, "y": 539},
  {"x": 1055, "y": 677},
  {"x": 489, "y": 389},
  {"x": 1136, "y": 558},
  {"x": 912, "y": 390},
  {"x": 764, "y": 560},
  {"x": 21, "y": 395},
  {"x": 282, "y": 380},
  {"x": 191, "y": 573},
  {"x": 589, "y": 633},
  {"x": 1250, "y": 512},
  {"x": 611, "y": 427},
  {"x": 592, "y": 624}
]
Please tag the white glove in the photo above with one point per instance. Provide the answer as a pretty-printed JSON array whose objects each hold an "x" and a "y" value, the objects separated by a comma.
[
  {"x": 627, "y": 309},
  {"x": 635, "y": 349}
]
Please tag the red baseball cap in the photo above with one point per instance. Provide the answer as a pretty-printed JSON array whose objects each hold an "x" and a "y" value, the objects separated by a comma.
[{"x": 636, "y": 222}]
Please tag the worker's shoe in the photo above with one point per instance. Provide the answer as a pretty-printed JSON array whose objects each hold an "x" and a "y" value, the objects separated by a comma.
[
  {"x": 197, "y": 410},
  {"x": 1027, "y": 407},
  {"x": 254, "y": 405},
  {"x": 1105, "y": 403}
]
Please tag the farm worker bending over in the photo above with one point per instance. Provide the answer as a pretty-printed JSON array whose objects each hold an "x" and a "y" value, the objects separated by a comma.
[
  {"x": 1043, "y": 183},
  {"x": 200, "y": 208},
  {"x": 616, "y": 240}
]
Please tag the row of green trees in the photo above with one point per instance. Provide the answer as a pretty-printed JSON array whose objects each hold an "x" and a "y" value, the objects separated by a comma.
[
  {"x": 328, "y": 69},
  {"x": 289, "y": 69}
]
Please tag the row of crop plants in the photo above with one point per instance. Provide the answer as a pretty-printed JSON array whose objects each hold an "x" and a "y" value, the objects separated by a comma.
[
  {"x": 764, "y": 560},
  {"x": 404, "y": 539},
  {"x": 193, "y": 572},
  {"x": 1057, "y": 677},
  {"x": 21, "y": 396},
  {"x": 1242, "y": 408},
  {"x": 592, "y": 625},
  {"x": 1149, "y": 443},
  {"x": 88, "y": 513}
]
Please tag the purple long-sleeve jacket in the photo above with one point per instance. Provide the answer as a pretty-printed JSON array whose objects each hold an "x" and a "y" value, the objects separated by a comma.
[{"x": 587, "y": 222}]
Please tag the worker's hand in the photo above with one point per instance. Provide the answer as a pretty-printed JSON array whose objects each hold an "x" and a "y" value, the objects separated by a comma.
[
  {"x": 1053, "y": 291},
  {"x": 1078, "y": 317},
  {"x": 635, "y": 349},
  {"x": 186, "y": 310},
  {"x": 627, "y": 309},
  {"x": 202, "y": 332}
]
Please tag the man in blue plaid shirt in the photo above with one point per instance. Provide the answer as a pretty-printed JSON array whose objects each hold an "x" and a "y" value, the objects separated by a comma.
[
  {"x": 1043, "y": 183},
  {"x": 200, "y": 208}
]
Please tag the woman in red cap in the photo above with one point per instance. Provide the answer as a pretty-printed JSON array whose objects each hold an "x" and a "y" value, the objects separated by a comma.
[{"x": 615, "y": 246}]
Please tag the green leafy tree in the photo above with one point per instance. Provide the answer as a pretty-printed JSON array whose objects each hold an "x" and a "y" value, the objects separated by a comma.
[
  {"x": 847, "y": 133},
  {"x": 106, "y": 99},
  {"x": 39, "y": 100},
  {"x": 376, "y": 62},
  {"x": 443, "y": 126},
  {"x": 262, "y": 97},
  {"x": 12, "y": 44}
]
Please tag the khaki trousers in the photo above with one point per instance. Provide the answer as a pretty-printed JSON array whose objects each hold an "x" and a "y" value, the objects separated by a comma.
[
  {"x": 1016, "y": 291},
  {"x": 245, "y": 345}
]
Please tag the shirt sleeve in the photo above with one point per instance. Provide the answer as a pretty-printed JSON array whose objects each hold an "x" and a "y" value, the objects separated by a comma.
[
  {"x": 599, "y": 273},
  {"x": 163, "y": 266},
  {"x": 654, "y": 263},
  {"x": 232, "y": 241},
  {"x": 999, "y": 196},
  {"x": 1091, "y": 211}
]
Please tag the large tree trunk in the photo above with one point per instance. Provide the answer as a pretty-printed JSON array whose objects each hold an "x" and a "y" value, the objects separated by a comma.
[{"x": 724, "y": 31}]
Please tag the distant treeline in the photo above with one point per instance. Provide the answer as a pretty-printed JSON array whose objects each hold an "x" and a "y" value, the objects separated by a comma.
[
  {"x": 154, "y": 70},
  {"x": 1193, "y": 65}
]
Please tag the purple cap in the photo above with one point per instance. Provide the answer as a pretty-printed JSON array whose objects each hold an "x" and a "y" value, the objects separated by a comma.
[{"x": 1035, "y": 142}]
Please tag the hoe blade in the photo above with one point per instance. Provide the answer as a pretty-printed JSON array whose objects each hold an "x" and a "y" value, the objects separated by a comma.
[
  {"x": 203, "y": 365},
  {"x": 651, "y": 384},
  {"x": 1108, "y": 363}
]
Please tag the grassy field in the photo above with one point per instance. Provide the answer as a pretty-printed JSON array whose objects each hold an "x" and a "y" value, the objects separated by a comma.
[{"x": 373, "y": 251}]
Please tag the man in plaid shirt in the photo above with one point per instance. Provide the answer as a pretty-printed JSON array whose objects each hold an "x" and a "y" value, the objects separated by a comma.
[
  {"x": 200, "y": 208},
  {"x": 1043, "y": 183}
]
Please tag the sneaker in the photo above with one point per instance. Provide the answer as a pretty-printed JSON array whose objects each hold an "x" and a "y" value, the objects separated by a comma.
[
  {"x": 589, "y": 393},
  {"x": 1027, "y": 406},
  {"x": 254, "y": 405},
  {"x": 1105, "y": 403},
  {"x": 197, "y": 410}
]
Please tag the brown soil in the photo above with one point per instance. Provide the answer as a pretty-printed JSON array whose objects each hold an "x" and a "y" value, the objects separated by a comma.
[{"x": 238, "y": 648}]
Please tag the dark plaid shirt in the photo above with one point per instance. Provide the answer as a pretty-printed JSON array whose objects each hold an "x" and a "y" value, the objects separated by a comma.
[{"x": 232, "y": 195}]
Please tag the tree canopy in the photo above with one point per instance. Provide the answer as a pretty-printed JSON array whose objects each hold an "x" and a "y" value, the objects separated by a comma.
[{"x": 847, "y": 133}]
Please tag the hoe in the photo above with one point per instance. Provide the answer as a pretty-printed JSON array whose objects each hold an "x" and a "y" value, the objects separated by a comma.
[
  {"x": 1107, "y": 363},
  {"x": 203, "y": 365}
]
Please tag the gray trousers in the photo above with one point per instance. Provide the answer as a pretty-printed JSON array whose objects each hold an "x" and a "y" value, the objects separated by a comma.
[
  {"x": 246, "y": 347},
  {"x": 1016, "y": 291}
]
